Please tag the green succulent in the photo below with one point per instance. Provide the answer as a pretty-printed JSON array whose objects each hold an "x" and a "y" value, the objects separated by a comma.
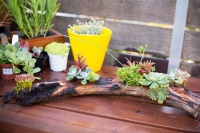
[{"x": 157, "y": 82}]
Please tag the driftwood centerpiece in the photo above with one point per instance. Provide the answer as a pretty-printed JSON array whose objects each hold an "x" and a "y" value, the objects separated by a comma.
[{"x": 178, "y": 97}]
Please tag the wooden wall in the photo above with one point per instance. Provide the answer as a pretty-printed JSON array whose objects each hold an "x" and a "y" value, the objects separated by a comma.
[{"x": 139, "y": 27}]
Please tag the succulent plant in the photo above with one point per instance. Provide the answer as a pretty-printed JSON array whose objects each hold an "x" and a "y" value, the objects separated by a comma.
[
  {"x": 81, "y": 72},
  {"x": 146, "y": 67},
  {"x": 24, "y": 45},
  {"x": 93, "y": 27},
  {"x": 24, "y": 81},
  {"x": 37, "y": 51},
  {"x": 57, "y": 48},
  {"x": 178, "y": 77},
  {"x": 157, "y": 82}
]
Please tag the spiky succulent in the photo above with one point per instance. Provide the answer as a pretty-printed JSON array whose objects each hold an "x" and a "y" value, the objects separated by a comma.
[
  {"x": 146, "y": 67},
  {"x": 81, "y": 72},
  {"x": 24, "y": 81},
  {"x": 157, "y": 82}
]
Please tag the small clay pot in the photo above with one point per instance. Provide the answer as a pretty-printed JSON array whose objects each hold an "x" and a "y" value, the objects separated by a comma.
[{"x": 6, "y": 72}]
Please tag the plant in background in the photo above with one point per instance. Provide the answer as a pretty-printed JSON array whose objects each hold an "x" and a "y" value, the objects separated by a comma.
[
  {"x": 93, "y": 27},
  {"x": 24, "y": 45},
  {"x": 141, "y": 49},
  {"x": 4, "y": 14},
  {"x": 178, "y": 77},
  {"x": 157, "y": 82},
  {"x": 81, "y": 72},
  {"x": 33, "y": 16},
  {"x": 37, "y": 51},
  {"x": 24, "y": 81},
  {"x": 57, "y": 48}
]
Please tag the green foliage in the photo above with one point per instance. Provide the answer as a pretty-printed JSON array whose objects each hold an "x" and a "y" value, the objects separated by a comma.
[
  {"x": 24, "y": 81},
  {"x": 179, "y": 77},
  {"x": 4, "y": 14},
  {"x": 129, "y": 74},
  {"x": 93, "y": 27},
  {"x": 157, "y": 82},
  {"x": 57, "y": 48},
  {"x": 16, "y": 55},
  {"x": 33, "y": 16},
  {"x": 83, "y": 75},
  {"x": 81, "y": 72}
]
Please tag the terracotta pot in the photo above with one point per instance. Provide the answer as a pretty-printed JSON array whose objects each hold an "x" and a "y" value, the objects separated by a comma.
[
  {"x": 52, "y": 36},
  {"x": 6, "y": 72}
]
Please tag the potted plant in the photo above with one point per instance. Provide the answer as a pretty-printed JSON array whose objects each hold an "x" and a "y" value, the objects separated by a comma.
[
  {"x": 12, "y": 56},
  {"x": 34, "y": 20},
  {"x": 40, "y": 57},
  {"x": 91, "y": 40},
  {"x": 58, "y": 55}
]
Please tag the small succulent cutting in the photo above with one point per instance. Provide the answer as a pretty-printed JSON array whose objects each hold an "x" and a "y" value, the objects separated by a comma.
[
  {"x": 81, "y": 72},
  {"x": 37, "y": 51},
  {"x": 158, "y": 83},
  {"x": 24, "y": 81}
]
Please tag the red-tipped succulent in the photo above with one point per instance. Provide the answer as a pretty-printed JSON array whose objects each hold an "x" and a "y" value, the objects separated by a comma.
[
  {"x": 145, "y": 67},
  {"x": 24, "y": 45},
  {"x": 129, "y": 63},
  {"x": 80, "y": 63}
]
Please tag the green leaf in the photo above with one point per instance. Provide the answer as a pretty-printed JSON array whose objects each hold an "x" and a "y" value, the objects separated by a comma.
[
  {"x": 16, "y": 70},
  {"x": 154, "y": 85},
  {"x": 145, "y": 82},
  {"x": 84, "y": 82}
]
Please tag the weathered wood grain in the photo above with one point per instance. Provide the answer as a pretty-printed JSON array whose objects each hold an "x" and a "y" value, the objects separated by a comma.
[
  {"x": 193, "y": 17},
  {"x": 159, "y": 11},
  {"x": 126, "y": 35},
  {"x": 191, "y": 46},
  {"x": 193, "y": 69}
]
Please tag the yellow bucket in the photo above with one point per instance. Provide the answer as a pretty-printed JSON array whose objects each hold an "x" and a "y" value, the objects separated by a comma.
[{"x": 91, "y": 47}]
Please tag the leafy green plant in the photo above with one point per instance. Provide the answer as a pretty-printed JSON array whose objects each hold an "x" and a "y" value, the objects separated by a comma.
[
  {"x": 81, "y": 72},
  {"x": 157, "y": 82},
  {"x": 93, "y": 27},
  {"x": 33, "y": 16},
  {"x": 16, "y": 55},
  {"x": 24, "y": 81},
  {"x": 57, "y": 48},
  {"x": 129, "y": 74},
  {"x": 178, "y": 77}
]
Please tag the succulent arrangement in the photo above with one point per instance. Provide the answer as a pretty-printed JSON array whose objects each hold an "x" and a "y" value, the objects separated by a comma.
[
  {"x": 33, "y": 17},
  {"x": 93, "y": 27},
  {"x": 81, "y": 72},
  {"x": 56, "y": 48}
]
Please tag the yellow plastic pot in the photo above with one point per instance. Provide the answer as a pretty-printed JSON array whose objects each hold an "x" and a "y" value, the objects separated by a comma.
[{"x": 92, "y": 47}]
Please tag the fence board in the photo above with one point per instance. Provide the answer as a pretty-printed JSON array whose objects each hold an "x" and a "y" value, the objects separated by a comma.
[
  {"x": 193, "y": 69},
  {"x": 193, "y": 17},
  {"x": 159, "y": 11},
  {"x": 191, "y": 46},
  {"x": 126, "y": 35}
]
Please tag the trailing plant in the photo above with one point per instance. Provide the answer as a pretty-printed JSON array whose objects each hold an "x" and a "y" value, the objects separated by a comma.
[
  {"x": 178, "y": 77},
  {"x": 33, "y": 16},
  {"x": 93, "y": 27},
  {"x": 24, "y": 81},
  {"x": 57, "y": 48},
  {"x": 81, "y": 72},
  {"x": 36, "y": 51},
  {"x": 157, "y": 82}
]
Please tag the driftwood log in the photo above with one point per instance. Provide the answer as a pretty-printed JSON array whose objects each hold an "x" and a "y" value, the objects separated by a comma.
[{"x": 179, "y": 97}]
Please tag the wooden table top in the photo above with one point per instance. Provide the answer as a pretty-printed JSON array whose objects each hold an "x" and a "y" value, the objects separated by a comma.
[{"x": 96, "y": 114}]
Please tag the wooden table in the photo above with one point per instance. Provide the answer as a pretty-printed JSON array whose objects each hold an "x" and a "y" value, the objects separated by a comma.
[{"x": 96, "y": 114}]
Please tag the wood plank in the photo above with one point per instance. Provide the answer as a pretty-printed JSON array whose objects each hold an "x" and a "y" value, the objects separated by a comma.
[
  {"x": 191, "y": 47},
  {"x": 126, "y": 35},
  {"x": 161, "y": 11},
  {"x": 193, "y": 17},
  {"x": 193, "y": 69},
  {"x": 129, "y": 110},
  {"x": 46, "y": 119}
]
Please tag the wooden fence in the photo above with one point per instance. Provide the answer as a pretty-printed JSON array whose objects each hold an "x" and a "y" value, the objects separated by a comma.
[{"x": 136, "y": 22}]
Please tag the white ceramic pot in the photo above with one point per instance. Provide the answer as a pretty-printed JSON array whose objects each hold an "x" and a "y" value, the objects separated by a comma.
[{"x": 58, "y": 63}]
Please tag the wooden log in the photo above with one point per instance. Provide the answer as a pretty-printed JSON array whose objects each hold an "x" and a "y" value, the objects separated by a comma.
[{"x": 179, "y": 97}]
